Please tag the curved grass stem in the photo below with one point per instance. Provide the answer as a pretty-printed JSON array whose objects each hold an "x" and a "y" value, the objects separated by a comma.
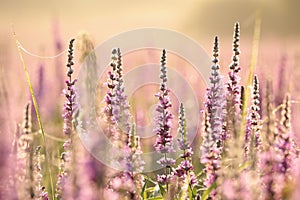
[{"x": 37, "y": 114}]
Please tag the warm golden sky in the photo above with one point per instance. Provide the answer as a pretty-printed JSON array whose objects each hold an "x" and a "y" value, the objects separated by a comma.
[{"x": 197, "y": 18}]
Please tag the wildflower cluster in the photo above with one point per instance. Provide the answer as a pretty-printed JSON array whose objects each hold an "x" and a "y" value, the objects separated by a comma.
[{"x": 232, "y": 161}]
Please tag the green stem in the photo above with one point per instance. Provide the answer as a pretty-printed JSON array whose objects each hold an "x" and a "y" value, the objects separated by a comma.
[{"x": 37, "y": 114}]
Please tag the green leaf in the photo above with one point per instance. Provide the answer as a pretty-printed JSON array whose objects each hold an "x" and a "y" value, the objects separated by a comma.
[
  {"x": 199, "y": 174},
  {"x": 208, "y": 191},
  {"x": 245, "y": 165},
  {"x": 156, "y": 198},
  {"x": 162, "y": 189},
  {"x": 150, "y": 180},
  {"x": 192, "y": 192},
  {"x": 149, "y": 189},
  {"x": 143, "y": 193}
]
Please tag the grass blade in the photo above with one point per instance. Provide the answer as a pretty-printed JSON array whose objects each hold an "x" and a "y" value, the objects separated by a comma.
[{"x": 37, "y": 114}]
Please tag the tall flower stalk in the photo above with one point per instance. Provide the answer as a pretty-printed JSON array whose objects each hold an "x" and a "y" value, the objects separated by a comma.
[
  {"x": 109, "y": 97},
  {"x": 29, "y": 172},
  {"x": 270, "y": 132},
  {"x": 284, "y": 143},
  {"x": 277, "y": 162},
  {"x": 64, "y": 185},
  {"x": 253, "y": 142},
  {"x": 129, "y": 181},
  {"x": 70, "y": 94},
  {"x": 233, "y": 88},
  {"x": 120, "y": 105},
  {"x": 39, "y": 189},
  {"x": 210, "y": 156},
  {"x": 164, "y": 139},
  {"x": 185, "y": 170},
  {"x": 234, "y": 78},
  {"x": 213, "y": 135},
  {"x": 136, "y": 151},
  {"x": 122, "y": 132},
  {"x": 215, "y": 100},
  {"x": 25, "y": 151}
]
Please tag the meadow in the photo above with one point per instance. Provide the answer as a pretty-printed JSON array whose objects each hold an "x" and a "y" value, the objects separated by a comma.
[{"x": 244, "y": 144}]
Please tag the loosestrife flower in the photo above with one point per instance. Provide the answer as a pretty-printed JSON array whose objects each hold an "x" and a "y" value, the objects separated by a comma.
[
  {"x": 135, "y": 159},
  {"x": 271, "y": 182},
  {"x": 123, "y": 132},
  {"x": 233, "y": 88},
  {"x": 234, "y": 79},
  {"x": 136, "y": 151},
  {"x": 109, "y": 97},
  {"x": 164, "y": 139},
  {"x": 185, "y": 169},
  {"x": 64, "y": 184},
  {"x": 277, "y": 161},
  {"x": 25, "y": 157},
  {"x": 242, "y": 97},
  {"x": 29, "y": 178},
  {"x": 40, "y": 190},
  {"x": 210, "y": 155},
  {"x": 253, "y": 131},
  {"x": 129, "y": 181},
  {"x": 120, "y": 105},
  {"x": 270, "y": 131},
  {"x": 284, "y": 144},
  {"x": 215, "y": 100},
  {"x": 63, "y": 174},
  {"x": 27, "y": 122},
  {"x": 213, "y": 137},
  {"x": 70, "y": 94}
]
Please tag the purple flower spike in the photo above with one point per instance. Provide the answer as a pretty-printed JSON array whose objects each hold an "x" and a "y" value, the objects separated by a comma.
[
  {"x": 120, "y": 105},
  {"x": 185, "y": 169},
  {"x": 210, "y": 155},
  {"x": 70, "y": 93},
  {"x": 109, "y": 97},
  {"x": 284, "y": 143},
  {"x": 213, "y": 134},
  {"x": 278, "y": 161},
  {"x": 233, "y": 96},
  {"x": 216, "y": 101},
  {"x": 233, "y": 87},
  {"x": 164, "y": 139},
  {"x": 128, "y": 181},
  {"x": 253, "y": 130}
]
